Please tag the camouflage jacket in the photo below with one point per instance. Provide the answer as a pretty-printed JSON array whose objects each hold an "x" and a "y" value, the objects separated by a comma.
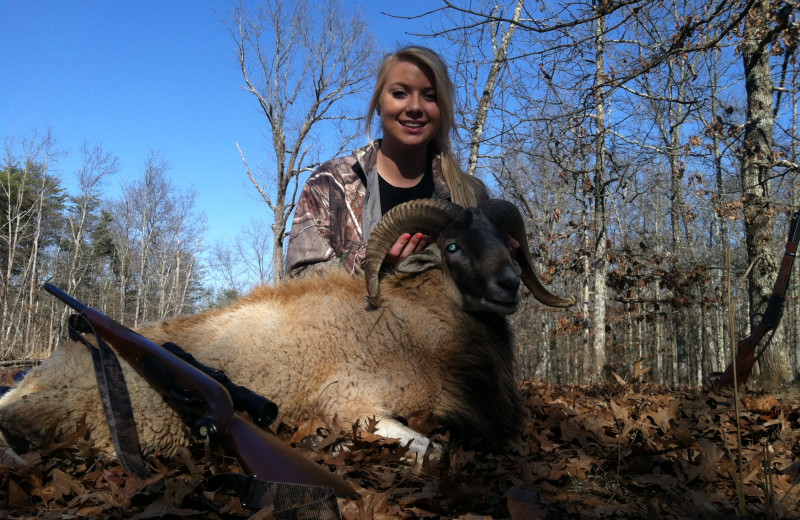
[{"x": 338, "y": 208}]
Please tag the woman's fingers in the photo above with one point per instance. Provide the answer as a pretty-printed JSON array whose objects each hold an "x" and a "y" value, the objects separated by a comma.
[
  {"x": 416, "y": 244},
  {"x": 406, "y": 245}
]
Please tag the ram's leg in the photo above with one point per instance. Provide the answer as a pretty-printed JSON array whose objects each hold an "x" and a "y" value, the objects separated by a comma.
[
  {"x": 51, "y": 401},
  {"x": 417, "y": 443},
  {"x": 422, "y": 452},
  {"x": 50, "y": 416},
  {"x": 61, "y": 394}
]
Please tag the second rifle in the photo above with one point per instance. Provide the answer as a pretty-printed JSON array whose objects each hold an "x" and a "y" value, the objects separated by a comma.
[{"x": 747, "y": 349}]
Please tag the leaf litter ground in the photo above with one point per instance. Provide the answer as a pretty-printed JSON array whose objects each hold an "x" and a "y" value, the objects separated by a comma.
[{"x": 617, "y": 451}]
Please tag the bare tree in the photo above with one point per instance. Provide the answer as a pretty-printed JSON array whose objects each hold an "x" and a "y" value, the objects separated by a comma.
[
  {"x": 30, "y": 197},
  {"x": 302, "y": 62},
  {"x": 224, "y": 274},
  {"x": 501, "y": 36},
  {"x": 572, "y": 94},
  {"x": 760, "y": 28},
  {"x": 600, "y": 183},
  {"x": 243, "y": 262},
  {"x": 177, "y": 249},
  {"x": 157, "y": 236},
  {"x": 95, "y": 167},
  {"x": 252, "y": 247}
]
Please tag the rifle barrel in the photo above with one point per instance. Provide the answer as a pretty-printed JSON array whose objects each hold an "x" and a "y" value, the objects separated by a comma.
[{"x": 66, "y": 298}]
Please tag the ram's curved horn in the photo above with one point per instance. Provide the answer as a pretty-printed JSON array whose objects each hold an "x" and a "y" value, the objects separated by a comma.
[
  {"x": 507, "y": 216},
  {"x": 427, "y": 216}
]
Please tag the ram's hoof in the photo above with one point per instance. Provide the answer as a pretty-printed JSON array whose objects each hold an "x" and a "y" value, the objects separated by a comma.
[{"x": 10, "y": 459}]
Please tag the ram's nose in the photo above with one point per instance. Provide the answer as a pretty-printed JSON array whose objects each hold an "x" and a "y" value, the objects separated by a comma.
[
  {"x": 508, "y": 280},
  {"x": 504, "y": 292}
]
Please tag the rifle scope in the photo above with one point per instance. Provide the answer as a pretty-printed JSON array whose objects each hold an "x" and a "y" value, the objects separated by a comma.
[{"x": 261, "y": 410}]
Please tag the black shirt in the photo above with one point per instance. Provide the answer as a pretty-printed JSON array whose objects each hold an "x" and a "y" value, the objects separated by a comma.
[{"x": 391, "y": 196}]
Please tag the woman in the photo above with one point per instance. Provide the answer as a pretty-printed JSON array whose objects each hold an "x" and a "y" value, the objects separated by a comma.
[{"x": 345, "y": 197}]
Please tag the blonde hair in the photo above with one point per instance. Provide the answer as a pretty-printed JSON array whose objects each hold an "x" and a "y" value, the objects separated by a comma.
[{"x": 462, "y": 186}]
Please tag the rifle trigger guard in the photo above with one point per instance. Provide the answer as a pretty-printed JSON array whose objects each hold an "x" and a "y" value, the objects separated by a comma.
[{"x": 183, "y": 397}]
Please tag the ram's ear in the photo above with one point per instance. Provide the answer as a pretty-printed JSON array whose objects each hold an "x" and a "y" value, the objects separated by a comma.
[{"x": 428, "y": 258}]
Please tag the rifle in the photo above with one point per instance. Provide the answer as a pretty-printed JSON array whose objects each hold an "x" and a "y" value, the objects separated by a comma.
[
  {"x": 261, "y": 454},
  {"x": 746, "y": 348}
]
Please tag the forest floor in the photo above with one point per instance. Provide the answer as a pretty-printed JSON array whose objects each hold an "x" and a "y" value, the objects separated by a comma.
[{"x": 618, "y": 451}]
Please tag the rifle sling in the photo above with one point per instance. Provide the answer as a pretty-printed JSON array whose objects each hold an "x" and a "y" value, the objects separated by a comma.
[{"x": 114, "y": 397}]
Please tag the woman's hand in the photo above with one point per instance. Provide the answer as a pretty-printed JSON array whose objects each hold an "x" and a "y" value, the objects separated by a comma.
[{"x": 406, "y": 245}]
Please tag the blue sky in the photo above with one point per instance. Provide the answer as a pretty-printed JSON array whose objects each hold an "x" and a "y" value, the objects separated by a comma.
[{"x": 139, "y": 76}]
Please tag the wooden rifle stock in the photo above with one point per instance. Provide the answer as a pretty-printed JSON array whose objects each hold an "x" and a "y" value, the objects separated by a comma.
[
  {"x": 259, "y": 452},
  {"x": 746, "y": 348}
]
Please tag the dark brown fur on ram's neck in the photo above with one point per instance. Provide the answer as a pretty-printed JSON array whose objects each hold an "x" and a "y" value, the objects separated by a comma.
[
  {"x": 479, "y": 402},
  {"x": 483, "y": 379}
]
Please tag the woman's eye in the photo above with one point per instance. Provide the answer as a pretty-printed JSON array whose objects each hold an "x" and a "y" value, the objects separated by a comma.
[
  {"x": 430, "y": 97},
  {"x": 399, "y": 93}
]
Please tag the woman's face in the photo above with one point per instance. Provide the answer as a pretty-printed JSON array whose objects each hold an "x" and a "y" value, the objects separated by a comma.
[{"x": 408, "y": 108}]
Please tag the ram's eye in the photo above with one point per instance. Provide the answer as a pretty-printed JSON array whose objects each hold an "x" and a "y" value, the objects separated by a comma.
[{"x": 452, "y": 248}]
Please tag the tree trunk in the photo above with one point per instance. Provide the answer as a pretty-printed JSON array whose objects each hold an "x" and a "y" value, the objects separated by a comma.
[
  {"x": 757, "y": 156},
  {"x": 600, "y": 263},
  {"x": 499, "y": 61}
]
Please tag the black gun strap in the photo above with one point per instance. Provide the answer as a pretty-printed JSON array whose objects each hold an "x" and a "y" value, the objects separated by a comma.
[{"x": 114, "y": 397}]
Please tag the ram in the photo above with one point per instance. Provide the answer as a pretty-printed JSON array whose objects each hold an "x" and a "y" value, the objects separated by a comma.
[{"x": 431, "y": 338}]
